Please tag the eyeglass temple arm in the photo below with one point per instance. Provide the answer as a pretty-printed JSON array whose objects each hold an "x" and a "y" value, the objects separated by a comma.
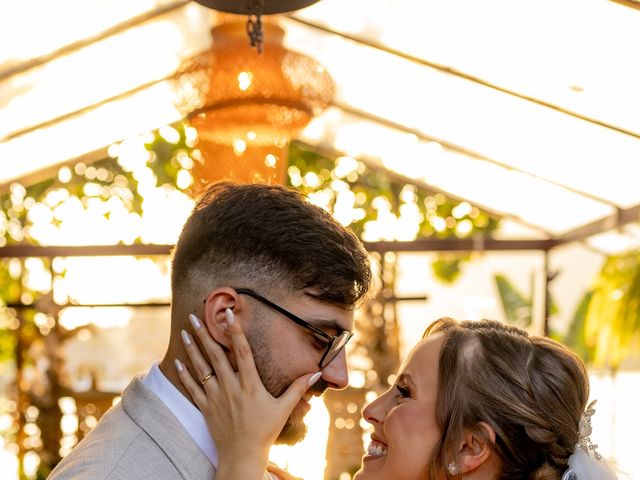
[{"x": 287, "y": 314}]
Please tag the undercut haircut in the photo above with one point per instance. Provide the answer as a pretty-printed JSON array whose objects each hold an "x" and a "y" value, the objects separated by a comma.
[{"x": 269, "y": 238}]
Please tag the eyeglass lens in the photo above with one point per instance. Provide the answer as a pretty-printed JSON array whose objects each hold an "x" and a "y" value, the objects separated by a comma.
[{"x": 335, "y": 348}]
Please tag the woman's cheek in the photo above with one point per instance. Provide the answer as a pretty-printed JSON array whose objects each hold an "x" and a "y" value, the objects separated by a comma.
[{"x": 412, "y": 433}]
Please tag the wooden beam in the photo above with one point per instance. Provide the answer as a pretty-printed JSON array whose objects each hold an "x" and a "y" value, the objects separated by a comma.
[
  {"x": 51, "y": 171},
  {"x": 84, "y": 42},
  {"x": 629, "y": 3},
  {"x": 619, "y": 219},
  {"x": 21, "y": 305},
  {"x": 463, "y": 150},
  {"x": 477, "y": 244},
  {"x": 83, "y": 110},
  {"x": 22, "y": 251},
  {"x": 421, "y": 245}
]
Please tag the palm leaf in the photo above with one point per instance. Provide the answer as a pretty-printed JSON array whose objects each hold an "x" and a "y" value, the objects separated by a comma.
[
  {"x": 517, "y": 309},
  {"x": 613, "y": 317}
]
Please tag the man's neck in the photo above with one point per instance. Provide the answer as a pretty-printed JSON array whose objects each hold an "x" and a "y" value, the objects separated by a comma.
[{"x": 168, "y": 368}]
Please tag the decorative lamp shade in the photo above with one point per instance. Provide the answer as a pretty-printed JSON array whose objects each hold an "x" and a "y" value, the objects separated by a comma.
[
  {"x": 248, "y": 7},
  {"x": 246, "y": 107}
]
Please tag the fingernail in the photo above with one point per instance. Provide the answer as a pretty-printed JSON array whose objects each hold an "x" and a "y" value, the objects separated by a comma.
[
  {"x": 314, "y": 378},
  {"x": 185, "y": 337},
  {"x": 195, "y": 321},
  {"x": 231, "y": 319},
  {"x": 179, "y": 365}
]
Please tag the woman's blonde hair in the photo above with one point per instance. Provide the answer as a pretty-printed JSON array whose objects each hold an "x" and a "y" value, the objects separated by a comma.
[{"x": 531, "y": 390}]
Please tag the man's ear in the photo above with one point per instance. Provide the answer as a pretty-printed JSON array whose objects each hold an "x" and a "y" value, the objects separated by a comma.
[
  {"x": 476, "y": 447},
  {"x": 215, "y": 320}
]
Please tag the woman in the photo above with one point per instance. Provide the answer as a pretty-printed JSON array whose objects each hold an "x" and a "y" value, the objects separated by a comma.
[{"x": 474, "y": 400}]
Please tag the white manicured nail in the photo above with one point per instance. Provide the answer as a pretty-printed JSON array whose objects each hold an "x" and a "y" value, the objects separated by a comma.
[
  {"x": 195, "y": 321},
  {"x": 179, "y": 365},
  {"x": 185, "y": 337},
  {"x": 231, "y": 319},
  {"x": 314, "y": 378}
]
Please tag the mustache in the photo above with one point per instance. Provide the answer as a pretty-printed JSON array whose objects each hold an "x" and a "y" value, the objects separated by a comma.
[{"x": 319, "y": 387}]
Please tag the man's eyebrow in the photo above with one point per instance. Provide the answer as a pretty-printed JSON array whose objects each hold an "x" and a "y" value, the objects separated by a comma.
[{"x": 324, "y": 324}]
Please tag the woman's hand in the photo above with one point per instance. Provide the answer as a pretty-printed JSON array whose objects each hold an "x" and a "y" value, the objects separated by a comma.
[
  {"x": 244, "y": 419},
  {"x": 280, "y": 473}
]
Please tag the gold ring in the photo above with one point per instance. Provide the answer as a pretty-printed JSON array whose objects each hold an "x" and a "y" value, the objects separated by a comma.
[{"x": 204, "y": 380}]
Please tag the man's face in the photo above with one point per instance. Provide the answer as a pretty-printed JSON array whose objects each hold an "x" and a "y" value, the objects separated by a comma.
[{"x": 284, "y": 351}]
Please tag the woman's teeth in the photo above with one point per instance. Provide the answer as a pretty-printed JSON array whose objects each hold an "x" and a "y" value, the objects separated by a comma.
[{"x": 376, "y": 450}]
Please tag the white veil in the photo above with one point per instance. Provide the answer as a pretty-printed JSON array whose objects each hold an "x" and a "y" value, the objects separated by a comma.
[{"x": 583, "y": 466}]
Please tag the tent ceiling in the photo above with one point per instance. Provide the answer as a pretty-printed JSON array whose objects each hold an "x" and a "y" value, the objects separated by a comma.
[{"x": 529, "y": 109}]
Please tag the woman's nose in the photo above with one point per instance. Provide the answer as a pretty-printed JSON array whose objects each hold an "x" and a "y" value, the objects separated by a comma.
[{"x": 375, "y": 411}]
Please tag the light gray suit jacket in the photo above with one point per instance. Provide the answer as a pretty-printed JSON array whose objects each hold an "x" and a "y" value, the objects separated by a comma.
[{"x": 137, "y": 439}]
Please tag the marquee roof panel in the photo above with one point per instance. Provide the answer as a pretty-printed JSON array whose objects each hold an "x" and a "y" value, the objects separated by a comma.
[{"x": 530, "y": 110}]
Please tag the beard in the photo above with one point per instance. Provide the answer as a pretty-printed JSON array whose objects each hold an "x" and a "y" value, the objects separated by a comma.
[{"x": 277, "y": 382}]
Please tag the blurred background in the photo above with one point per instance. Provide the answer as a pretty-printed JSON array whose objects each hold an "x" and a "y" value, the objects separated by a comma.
[{"x": 487, "y": 153}]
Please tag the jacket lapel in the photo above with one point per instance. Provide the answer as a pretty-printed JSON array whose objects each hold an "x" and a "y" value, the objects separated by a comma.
[{"x": 148, "y": 411}]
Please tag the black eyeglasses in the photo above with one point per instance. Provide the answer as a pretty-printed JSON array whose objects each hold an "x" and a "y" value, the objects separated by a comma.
[{"x": 334, "y": 343}]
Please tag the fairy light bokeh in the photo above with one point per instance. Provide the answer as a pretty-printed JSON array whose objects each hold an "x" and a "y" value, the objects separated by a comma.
[{"x": 62, "y": 219}]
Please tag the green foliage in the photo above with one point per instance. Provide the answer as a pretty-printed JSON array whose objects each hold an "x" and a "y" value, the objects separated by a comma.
[
  {"x": 9, "y": 293},
  {"x": 575, "y": 338},
  {"x": 123, "y": 180},
  {"x": 101, "y": 180},
  {"x": 110, "y": 178},
  {"x": 582, "y": 337},
  {"x": 448, "y": 267},
  {"x": 7, "y": 344},
  {"x": 612, "y": 323},
  {"x": 436, "y": 214},
  {"x": 517, "y": 309},
  {"x": 168, "y": 158}
]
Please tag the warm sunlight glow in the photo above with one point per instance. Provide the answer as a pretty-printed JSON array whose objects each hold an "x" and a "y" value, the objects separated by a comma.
[
  {"x": 446, "y": 117},
  {"x": 150, "y": 51},
  {"x": 8, "y": 461},
  {"x": 245, "y": 79},
  {"x": 545, "y": 205},
  {"x": 307, "y": 459},
  {"x": 111, "y": 317},
  {"x": 91, "y": 131}
]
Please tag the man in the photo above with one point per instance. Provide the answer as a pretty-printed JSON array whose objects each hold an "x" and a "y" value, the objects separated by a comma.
[{"x": 292, "y": 276}]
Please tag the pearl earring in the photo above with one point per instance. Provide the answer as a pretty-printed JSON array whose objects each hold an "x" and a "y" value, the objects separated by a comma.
[{"x": 453, "y": 468}]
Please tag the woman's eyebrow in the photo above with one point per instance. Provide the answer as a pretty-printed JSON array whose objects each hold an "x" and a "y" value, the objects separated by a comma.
[{"x": 406, "y": 378}]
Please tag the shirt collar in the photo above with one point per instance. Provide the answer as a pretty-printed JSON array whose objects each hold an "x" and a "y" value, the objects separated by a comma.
[{"x": 186, "y": 412}]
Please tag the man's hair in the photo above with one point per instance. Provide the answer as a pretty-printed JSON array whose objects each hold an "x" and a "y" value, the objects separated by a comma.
[
  {"x": 269, "y": 238},
  {"x": 531, "y": 390}
]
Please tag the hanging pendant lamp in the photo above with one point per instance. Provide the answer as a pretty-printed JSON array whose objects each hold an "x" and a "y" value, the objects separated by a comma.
[
  {"x": 251, "y": 7},
  {"x": 246, "y": 107},
  {"x": 254, "y": 9}
]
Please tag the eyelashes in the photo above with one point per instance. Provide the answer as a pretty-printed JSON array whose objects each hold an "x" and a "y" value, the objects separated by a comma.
[{"x": 403, "y": 391}]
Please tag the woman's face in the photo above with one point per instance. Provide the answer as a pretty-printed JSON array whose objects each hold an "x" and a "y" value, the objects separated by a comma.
[{"x": 404, "y": 418}]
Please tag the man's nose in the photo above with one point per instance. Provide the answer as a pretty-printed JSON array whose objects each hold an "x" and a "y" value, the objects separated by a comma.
[{"x": 336, "y": 374}]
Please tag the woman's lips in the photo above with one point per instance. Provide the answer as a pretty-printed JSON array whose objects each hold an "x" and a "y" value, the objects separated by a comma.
[{"x": 376, "y": 449}]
